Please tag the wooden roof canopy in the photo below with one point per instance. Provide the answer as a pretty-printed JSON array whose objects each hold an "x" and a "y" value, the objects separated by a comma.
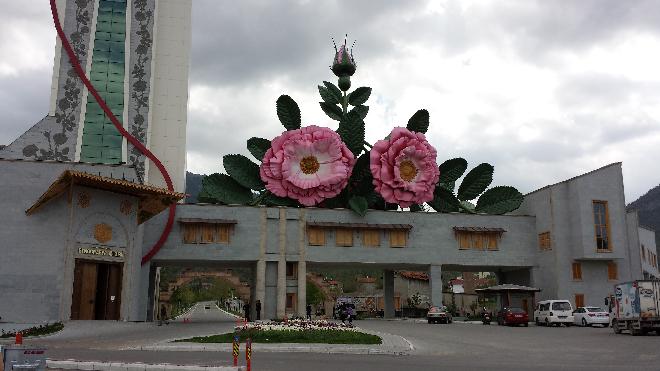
[
  {"x": 151, "y": 200},
  {"x": 358, "y": 225}
]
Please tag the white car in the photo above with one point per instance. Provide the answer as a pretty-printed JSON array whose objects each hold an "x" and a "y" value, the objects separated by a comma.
[
  {"x": 554, "y": 312},
  {"x": 587, "y": 316}
]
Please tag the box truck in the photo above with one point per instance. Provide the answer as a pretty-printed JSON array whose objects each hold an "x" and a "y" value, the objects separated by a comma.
[{"x": 636, "y": 307}]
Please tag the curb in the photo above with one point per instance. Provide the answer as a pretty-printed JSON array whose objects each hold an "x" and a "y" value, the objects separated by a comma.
[
  {"x": 120, "y": 366},
  {"x": 271, "y": 349}
]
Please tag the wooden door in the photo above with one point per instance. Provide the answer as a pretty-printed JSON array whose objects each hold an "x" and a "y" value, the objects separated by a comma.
[
  {"x": 113, "y": 299},
  {"x": 84, "y": 291},
  {"x": 525, "y": 307}
]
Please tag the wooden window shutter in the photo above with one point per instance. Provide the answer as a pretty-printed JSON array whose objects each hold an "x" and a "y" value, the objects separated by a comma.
[
  {"x": 492, "y": 241},
  {"x": 477, "y": 241},
  {"x": 207, "y": 233},
  {"x": 371, "y": 237},
  {"x": 222, "y": 233},
  {"x": 612, "y": 273},
  {"x": 577, "y": 271},
  {"x": 316, "y": 236},
  {"x": 579, "y": 300},
  {"x": 344, "y": 237},
  {"x": 463, "y": 240},
  {"x": 190, "y": 232},
  {"x": 398, "y": 238}
]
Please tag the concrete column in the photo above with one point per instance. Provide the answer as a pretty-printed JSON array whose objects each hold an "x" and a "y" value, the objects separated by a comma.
[
  {"x": 260, "y": 284},
  {"x": 388, "y": 293},
  {"x": 302, "y": 288},
  {"x": 281, "y": 267},
  {"x": 281, "y": 288},
  {"x": 435, "y": 283}
]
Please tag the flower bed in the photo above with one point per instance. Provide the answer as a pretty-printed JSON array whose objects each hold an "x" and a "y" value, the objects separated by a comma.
[
  {"x": 294, "y": 331},
  {"x": 35, "y": 331}
]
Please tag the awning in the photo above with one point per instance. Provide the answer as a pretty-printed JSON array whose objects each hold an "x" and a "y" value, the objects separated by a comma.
[
  {"x": 479, "y": 229},
  {"x": 151, "y": 200},
  {"x": 358, "y": 225},
  {"x": 508, "y": 287},
  {"x": 207, "y": 221}
]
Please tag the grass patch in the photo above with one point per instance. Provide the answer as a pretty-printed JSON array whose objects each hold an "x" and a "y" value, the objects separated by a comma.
[
  {"x": 35, "y": 331},
  {"x": 292, "y": 336}
]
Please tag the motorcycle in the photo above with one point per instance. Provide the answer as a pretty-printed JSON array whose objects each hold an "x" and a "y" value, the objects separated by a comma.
[{"x": 485, "y": 318}]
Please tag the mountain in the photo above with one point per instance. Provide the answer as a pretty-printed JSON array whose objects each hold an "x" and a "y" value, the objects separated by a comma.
[
  {"x": 648, "y": 207},
  {"x": 193, "y": 186}
]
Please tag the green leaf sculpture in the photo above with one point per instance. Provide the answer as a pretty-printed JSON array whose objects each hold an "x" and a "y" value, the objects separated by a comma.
[
  {"x": 221, "y": 188},
  {"x": 444, "y": 200},
  {"x": 359, "y": 204},
  {"x": 499, "y": 200},
  {"x": 243, "y": 171},
  {"x": 334, "y": 90},
  {"x": 475, "y": 182},
  {"x": 351, "y": 131},
  {"x": 288, "y": 112},
  {"x": 359, "y": 96},
  {"x": 258, "y": 147},
  {"x": 328, "y": 95},
  {"x": 452, "y": 169},
  {"x": 361, "y": 111},
  {"x": 419, "y": 122},
  {"x": 332, "y": 110}
]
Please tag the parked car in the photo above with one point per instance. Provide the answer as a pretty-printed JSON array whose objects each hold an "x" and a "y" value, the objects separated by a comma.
[
  {"x": 587, "y": 316},
  {"x": 554, "y": 312},
  {"x": 512, "y": 316},
  {"x": 439, "y": 315}
]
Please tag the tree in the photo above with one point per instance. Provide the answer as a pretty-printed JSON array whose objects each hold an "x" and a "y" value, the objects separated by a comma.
[{"x": 314, "y": 295}]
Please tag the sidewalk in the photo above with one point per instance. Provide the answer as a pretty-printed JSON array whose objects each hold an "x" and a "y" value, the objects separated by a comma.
[{"x": 121, "y": 366}]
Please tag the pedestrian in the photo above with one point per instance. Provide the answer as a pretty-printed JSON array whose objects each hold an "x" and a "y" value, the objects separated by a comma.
[
  {"x": 309, "y": 311},
  {"x": 342, "y": 313},
  {"x": 258, "y": 307},
  {"x": 163, "y": 315},
  {"x": 350, "y": 313},
  {"x": 246, "y": 311}
]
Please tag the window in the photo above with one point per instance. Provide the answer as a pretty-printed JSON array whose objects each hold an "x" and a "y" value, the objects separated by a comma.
[
  {"x": 477, "y": 240},
  {"x": 577, "y": 271},
  {"x": 612, "y": 273},
  {"x": 316, "y": 236},
  {"x": 398, "y": 238},
  {"x": 644, "y": 253},
  {"x": 291, "y": 302},
  {"x": 602, "y": 226},
  {"x": 371, "y": 237},
  {"x": 190, "y": 232},
  {"x": 579, "y": 300},
  {"x": 291, "y": 270},
  {"x": 544, "y": 241},
  {"x": 200, "y": 233},
  {"x": 343, "y": 237}
]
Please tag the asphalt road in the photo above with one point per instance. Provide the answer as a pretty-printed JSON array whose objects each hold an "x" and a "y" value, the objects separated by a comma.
[{"x": 437, "y": 347}]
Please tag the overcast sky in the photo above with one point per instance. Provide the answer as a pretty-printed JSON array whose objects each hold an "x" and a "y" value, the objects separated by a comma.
[{"x": 543, "y": 90}]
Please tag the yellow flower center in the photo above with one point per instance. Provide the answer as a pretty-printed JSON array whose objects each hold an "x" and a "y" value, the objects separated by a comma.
[
  {"x": 309, "y": 165},
  {"x": 407, "y": 170}
]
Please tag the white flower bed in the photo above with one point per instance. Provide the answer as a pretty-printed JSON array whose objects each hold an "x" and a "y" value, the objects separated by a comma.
[{"x": 296, "y": 325}]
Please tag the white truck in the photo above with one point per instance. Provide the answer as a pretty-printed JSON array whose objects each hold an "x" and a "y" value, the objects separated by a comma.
[{"x": 636, "y": 307}]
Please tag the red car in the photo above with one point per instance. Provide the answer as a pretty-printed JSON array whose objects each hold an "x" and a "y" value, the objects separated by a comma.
[{"x": 512, "y": 316}]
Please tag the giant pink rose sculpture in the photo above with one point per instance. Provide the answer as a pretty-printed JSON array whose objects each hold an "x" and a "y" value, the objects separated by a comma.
[
  {"x": 308, "y": 164},
  {"x": 404, "y": 168}
]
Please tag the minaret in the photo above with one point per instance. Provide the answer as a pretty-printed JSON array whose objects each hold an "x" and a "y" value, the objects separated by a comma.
[{"x": 136, "y": 54}]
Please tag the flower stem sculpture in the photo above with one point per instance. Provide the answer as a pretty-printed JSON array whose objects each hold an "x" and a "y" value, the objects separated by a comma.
[{"x": 316, "y": 166}]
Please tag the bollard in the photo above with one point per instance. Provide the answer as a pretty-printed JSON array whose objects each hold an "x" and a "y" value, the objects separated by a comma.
[
  {"x": 248, "y": 353},
  {"x": 235, "y": 346},
  {"x": 19, "y": 338}
]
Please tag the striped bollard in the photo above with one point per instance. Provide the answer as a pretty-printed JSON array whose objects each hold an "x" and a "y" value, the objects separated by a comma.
[
  {"x": 235, "y": 344},
  {"x": 248, "y": 353}
]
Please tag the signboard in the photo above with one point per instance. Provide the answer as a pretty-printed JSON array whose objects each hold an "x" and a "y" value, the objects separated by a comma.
[{"x": 98, "y": 251}]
